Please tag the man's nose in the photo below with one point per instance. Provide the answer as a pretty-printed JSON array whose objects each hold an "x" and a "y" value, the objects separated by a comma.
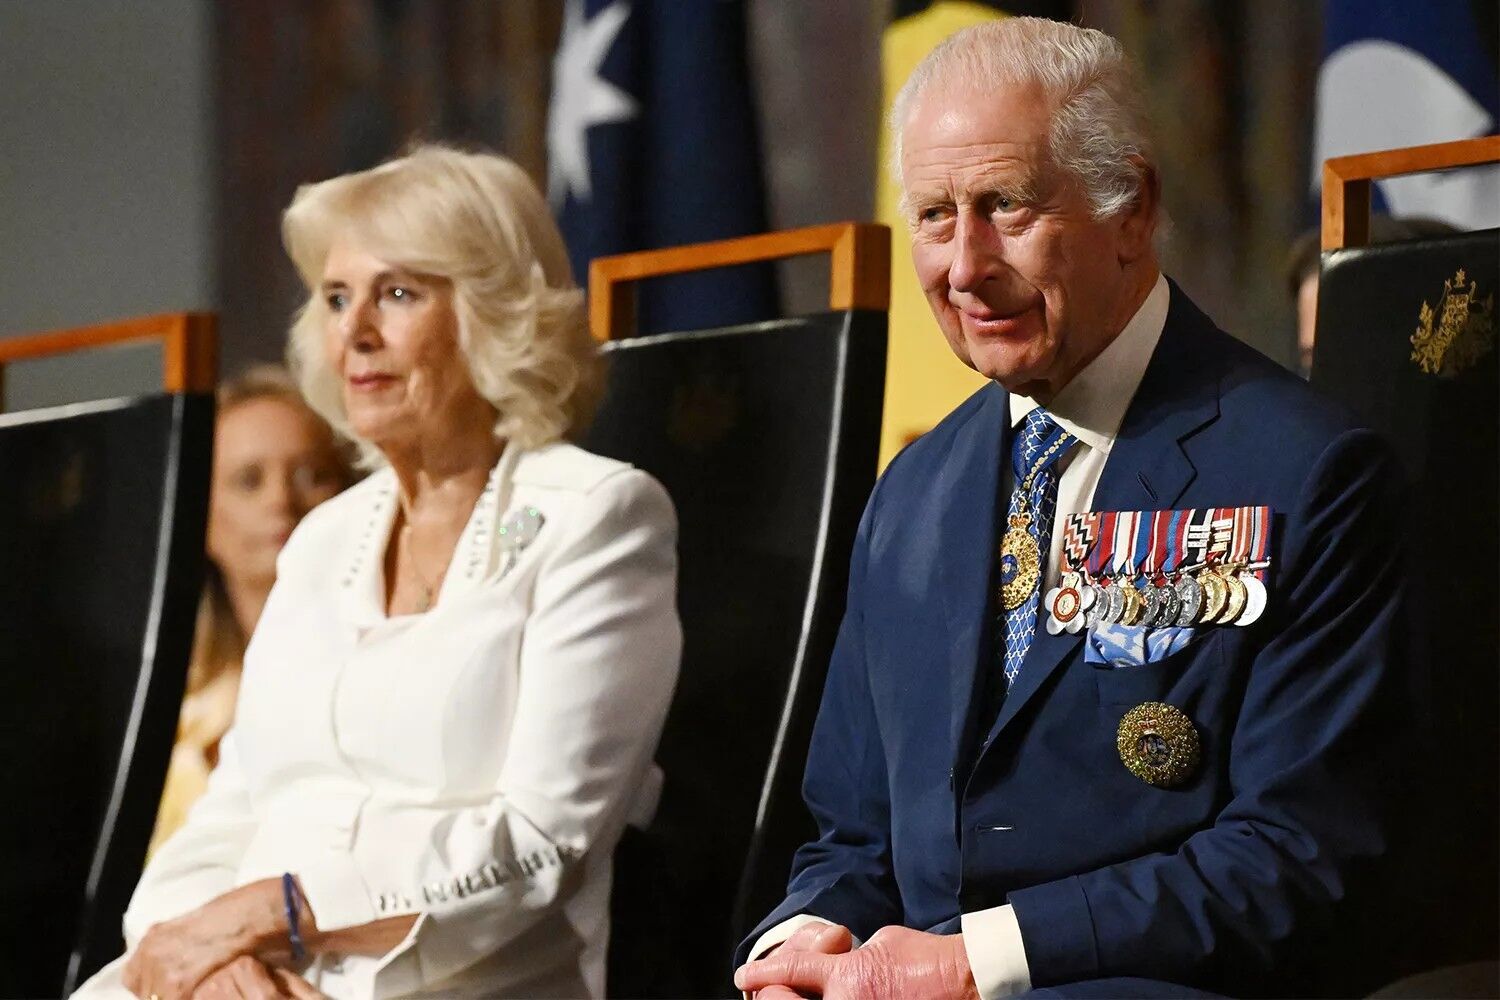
[{"x": 976, "y": 253}]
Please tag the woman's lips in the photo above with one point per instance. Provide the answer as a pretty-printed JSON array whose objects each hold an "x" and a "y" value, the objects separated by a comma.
[{"x": 370, "y": 381}]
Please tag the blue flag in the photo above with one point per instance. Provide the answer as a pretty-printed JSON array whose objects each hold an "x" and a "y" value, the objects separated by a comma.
[
  {"x": 651, "y": 142},
  {"x": 1405, "y": 73}
]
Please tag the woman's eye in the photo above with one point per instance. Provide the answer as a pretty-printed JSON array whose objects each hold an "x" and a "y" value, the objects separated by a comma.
[
  {"x": 336, "y": 301},
  {"x": 311, "y": 477},
  {"x": 402, "y": 294},
  {"x": 246, "y": 480}
]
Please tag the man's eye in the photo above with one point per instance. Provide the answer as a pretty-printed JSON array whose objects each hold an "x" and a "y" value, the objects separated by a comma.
[
  {"x": 935, "y": 214},
  {"x": 1005, "y": 204}
]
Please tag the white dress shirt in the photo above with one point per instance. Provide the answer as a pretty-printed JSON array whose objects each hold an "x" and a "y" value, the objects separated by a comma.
[
  {"x": 1090, "y": 407},
  {"x": 475, "y": 764}
]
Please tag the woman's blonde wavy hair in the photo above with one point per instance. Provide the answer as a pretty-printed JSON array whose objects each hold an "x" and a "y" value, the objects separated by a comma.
[{"x": 477, "y": 220}]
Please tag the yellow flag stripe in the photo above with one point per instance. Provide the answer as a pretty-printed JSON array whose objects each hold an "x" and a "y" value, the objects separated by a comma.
[{"x": 923, "y": 380}]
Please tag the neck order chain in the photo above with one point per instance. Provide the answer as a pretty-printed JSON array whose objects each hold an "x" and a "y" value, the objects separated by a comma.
[{"x": 1020, "y": 556}]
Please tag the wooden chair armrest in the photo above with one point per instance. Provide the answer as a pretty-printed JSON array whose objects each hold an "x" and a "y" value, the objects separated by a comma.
[
  {"x": 1346, "y": 181},
  {"x": 860, "y": 269},
  {"x": 190, "y": 349}
]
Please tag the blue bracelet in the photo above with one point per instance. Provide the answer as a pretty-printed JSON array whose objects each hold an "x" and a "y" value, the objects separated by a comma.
[{"x": 292, "y": 896}]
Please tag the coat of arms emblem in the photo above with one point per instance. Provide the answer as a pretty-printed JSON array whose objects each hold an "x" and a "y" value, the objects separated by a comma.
[{"x": 1453, "y": 337}]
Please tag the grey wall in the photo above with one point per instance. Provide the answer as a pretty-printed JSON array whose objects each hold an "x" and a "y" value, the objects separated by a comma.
[{"x": 106, "y": 147}]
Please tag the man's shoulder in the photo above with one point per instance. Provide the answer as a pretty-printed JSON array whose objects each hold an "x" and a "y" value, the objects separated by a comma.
[
  {"x": 925, "y": 454},
  {"x": 1258, "y": 404},
  {"x": 1268, "y": 408}
]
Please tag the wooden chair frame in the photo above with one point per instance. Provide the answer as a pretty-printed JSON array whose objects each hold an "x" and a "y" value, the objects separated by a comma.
[
  {"x": 859, "y": 269},
  {"x": 1346, "y": 181},
  {"x": 190, "y": 353}
]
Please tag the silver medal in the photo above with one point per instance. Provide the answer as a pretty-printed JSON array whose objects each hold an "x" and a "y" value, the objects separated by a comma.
[
  {"x": 1191, "y": 595},
  {"x": 1151, "y": 614},
  {"x": 1114, "y": 605},
  {"x": 1255, "y": 603},
  {"x": 1171, "y": 606},
  {"x": 1094, "y": 603}
]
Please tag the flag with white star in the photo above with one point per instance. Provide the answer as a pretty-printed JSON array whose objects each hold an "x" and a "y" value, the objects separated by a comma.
[{"x": 652, "y": 142}]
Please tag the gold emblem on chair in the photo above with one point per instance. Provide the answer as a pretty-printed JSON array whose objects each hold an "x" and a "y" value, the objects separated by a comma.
[
  {"x": 1453, "y": 337},
  {"x": 1158, "y": 743}
]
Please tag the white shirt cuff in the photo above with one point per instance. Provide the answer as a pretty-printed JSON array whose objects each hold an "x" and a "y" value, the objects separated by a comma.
[
  {"x": 997, "y": 956},
  {"x": 780, "y": 933},
  {"x": 336, "y": 893}
]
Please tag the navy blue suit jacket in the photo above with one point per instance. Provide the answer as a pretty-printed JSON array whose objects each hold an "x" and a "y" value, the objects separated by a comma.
[{"x": 1230, "y": 881}]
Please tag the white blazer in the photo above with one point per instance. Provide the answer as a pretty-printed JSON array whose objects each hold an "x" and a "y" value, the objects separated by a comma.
[{"x": 475, "y": 764}]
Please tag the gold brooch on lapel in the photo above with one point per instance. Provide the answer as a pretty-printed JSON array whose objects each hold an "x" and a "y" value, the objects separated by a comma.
[{"x": 1158, "y": 743}]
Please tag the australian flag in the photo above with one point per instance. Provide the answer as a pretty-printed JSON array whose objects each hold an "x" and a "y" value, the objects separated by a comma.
[
  {"x": 1406, "y": 73},
  {"x": 651, "y": 142}
]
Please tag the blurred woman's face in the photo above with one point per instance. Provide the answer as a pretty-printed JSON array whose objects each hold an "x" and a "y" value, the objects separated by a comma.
[
  {"x": 273, "y": 462},
  {"x": 392, "y": 338}
]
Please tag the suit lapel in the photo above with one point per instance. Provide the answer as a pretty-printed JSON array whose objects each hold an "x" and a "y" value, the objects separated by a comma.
[
  {"x": 1147, "y": 467},
  {"x": 1179, "y": 393},
  {"x": 970, "y": 482}
]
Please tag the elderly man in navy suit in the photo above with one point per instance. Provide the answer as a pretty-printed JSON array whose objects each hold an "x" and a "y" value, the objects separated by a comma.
[{"x": 1148, "y": 750}]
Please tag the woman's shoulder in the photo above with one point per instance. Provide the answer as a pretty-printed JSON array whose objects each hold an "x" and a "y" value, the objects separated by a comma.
[
  {"x": 570, "y": 469},
  {"x": 566, "y": 477}
]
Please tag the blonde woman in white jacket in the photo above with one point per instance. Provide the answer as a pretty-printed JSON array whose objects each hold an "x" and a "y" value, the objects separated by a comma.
[{"x": 451, "y": 702}]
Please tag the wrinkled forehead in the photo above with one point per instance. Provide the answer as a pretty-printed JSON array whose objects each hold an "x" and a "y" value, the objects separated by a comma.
[{"x": 960, "y": 128}]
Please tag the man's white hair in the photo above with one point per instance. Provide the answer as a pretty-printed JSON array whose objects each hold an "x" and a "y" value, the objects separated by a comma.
[{"x": 1099, "y": 131}]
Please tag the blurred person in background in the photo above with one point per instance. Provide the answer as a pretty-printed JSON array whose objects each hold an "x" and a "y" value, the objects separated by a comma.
[
  {"x": 1305, "y": 258},
  {"x": 453, "y": 695},
  {"x": 274, "y": 460}
]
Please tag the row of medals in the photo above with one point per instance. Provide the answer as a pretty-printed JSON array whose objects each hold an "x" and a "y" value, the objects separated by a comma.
[{"x": 1215, "y": 595}]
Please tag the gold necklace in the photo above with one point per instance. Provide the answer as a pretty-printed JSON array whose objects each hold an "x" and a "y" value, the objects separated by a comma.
[{"x": 429, "y": 589}]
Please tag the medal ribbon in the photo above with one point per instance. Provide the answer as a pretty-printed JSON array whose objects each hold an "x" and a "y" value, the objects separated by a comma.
[
  {"x": 1104, "y": 545},
  {"x": 1160, "y": 534},
  {"x": 1198, "y": 535},
  {"x": 1260, "y": 549},
  {"x": 1176, "y": 541},
  {"x": 1220, "y": 534},
  {"x": 1145, "y": 533},
  {"x": 1242, "y": 536},
  {"x": 1078, "y": 539},
  {"x": 1125, "y": 524}
]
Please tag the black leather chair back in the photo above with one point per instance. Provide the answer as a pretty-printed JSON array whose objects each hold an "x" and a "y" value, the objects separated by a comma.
[
  {"x": 766, "y": 436},
  {"x": 102, "y": 508},
  {"x": 1431, "y": 383}
]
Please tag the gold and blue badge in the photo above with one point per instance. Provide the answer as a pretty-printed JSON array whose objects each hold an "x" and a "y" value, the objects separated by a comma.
[{"x": 1158, "y": 744}]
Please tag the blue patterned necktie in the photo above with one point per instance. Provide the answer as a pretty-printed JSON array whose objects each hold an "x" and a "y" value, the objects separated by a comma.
[{"x": 1038, "y": 445}]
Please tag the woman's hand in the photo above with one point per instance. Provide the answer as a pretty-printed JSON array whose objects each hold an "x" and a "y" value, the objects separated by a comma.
[
  {"x": 176, "y": 956},
  {"x": 246, "y": 978}
]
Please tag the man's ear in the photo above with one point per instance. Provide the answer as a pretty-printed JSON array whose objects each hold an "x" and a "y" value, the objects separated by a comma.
[{"x": 1138, "y": 222}]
